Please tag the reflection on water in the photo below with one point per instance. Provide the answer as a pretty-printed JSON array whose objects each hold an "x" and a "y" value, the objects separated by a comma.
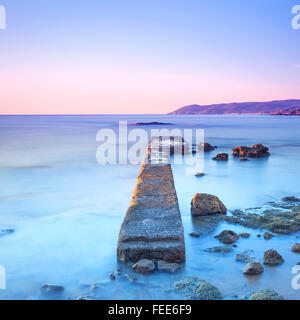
[{"x": 67, "y": 210}]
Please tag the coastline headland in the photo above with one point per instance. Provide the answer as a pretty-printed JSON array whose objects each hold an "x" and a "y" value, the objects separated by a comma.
[{"x": 152, "y": 228}]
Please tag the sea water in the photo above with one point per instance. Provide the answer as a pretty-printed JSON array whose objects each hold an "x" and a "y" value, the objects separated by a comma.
[{"x": 66, "y": 209}]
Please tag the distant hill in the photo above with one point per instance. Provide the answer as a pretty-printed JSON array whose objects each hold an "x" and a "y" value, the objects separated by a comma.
[{"x": 284, "y": 107}]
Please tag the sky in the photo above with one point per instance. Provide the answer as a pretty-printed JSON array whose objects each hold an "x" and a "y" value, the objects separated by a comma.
[{"x": 145, "y": 56}]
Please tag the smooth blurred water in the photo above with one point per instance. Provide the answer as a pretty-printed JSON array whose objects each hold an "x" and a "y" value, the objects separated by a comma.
[{"x": 66, "y": 209}]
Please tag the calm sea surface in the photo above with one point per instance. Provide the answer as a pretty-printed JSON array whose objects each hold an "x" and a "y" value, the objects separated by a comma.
[{"x": 67, "y": 209}]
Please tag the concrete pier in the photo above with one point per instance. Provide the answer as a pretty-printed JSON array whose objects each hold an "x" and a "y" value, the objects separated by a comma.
[{"x": 152, "y": 228}]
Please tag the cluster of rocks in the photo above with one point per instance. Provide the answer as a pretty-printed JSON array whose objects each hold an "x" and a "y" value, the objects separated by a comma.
[
  {"x": 271, "y": 257},
  {"x": 146, "y": 266},
  {"x": 274, "y": 220},
  {"x": 242, "y": 152},
  {"x": 256, "y": 151}
]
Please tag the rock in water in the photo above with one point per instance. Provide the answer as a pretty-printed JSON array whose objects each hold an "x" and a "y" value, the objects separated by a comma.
[
  {"x": 152, "y": 228},
  {"x": 291, "y": 199},
  {"x": 206, "y": 291},
  {"x": 205, "y": 205},
  {"x": 219, "y": 249},
  {"x": 265, "y": 294},
  {"x": 52, "y": 289},
  {"x": 144, "y": 266},
  {"x": 268, "y": 235},
  {"x": 227, "y": 237},
  {"x": 243, "y": 258},
  {"x": 195, "y": 234},
  {"x": 194, "y": 288},
  {"x": 6, "y": 231},
  {"x": 199, "y": 174},
  {"x": 245, "y": 235},
  {"x": 164, "y": 266},
  {"x": 296, "y": 248},
  {"x": 253, "y": 268},
  {"x": 221, "y": 157},
  {"x": 272, "y": 258},
  {"x": 206, "y": 147},
  {"x": 256, "y": 151}
]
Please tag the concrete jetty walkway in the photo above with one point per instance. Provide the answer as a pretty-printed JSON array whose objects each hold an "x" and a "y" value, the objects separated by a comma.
[{"x": 152, "y": 227}]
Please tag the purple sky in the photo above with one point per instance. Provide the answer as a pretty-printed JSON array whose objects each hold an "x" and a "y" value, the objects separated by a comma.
[{"x": 132, "y": 56}]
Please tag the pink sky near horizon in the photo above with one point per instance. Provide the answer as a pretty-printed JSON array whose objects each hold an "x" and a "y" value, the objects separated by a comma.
[{"x": 66, "y": 90}]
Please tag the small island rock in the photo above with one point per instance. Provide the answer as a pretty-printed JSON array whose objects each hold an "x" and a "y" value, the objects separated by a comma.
[
  {"x": 272, "y": 258},
  {"x": 206, "y": 147},
  {"x": 221, "y": 157},
  {"x": 253, "y": 268},
  {"x": 296, "y": 248},
  {"x": 205, "y": 205},
  {"x": 227, "y": 237}
]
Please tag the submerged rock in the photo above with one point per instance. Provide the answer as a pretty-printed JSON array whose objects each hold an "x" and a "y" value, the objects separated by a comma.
[
  {"x": 227, "y": 237},
  {"x": 272, "y": 258},
  {"x": 265, "y": 294},
  {"x": 243, "y": 258},
  {"x": 274, "y": 220},
  {"x": 6, "y": 231},
  {"x": 199, "y": 174},
  {"x": 268, "y": 235},
  {"x": 244, "y": 159},
  {"x": 221, "y": 157},
  {"x": 194, "y": 288},
  {"x": 296, "y": 248},
  {"x": 219, "y": 249},
  {"x": 52, "y": 289},
  {"x": 206, "y": 147},
  {"x": 195, "y": 234},
  {"x": 291, "y": 199},
  {"x": 144, "y": 266},
  {"x": 84, "y": 298},
  {"x": 206, "y": 204},
  {"x": 112, "y": 276},
  {"x": 253, "y": 268},
  {"x": 256, "y": 151},
  {"x": 245, "y": 235},
  {"x": 164, "y": 266}
]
